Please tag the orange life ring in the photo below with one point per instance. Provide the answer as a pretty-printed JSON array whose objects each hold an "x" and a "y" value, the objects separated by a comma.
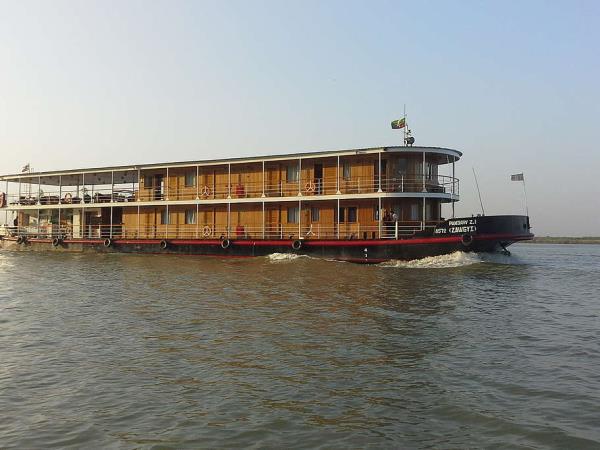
[{"x": 310, "y": 187}]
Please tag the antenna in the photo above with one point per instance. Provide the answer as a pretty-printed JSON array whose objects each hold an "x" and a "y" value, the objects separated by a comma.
[{"x": 478, "y": 191}]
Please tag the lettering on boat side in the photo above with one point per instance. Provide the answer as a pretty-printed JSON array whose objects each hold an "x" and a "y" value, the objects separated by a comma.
[{"x": 459, "y": 226}]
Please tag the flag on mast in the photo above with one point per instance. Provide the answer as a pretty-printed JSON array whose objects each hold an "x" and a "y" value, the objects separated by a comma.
[
  {"x": 398, "y": 123},
  {"x": 517, "y": 177},
  {"x": 25, "y": 168}
]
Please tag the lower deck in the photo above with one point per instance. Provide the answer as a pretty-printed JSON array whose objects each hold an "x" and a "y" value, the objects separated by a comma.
[{"x": 343, "y": 219}]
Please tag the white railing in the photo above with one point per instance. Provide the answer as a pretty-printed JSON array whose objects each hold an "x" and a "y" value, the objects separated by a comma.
[
  {"x": 310, "y": 187},
  {"x": 394, "y": 230}
]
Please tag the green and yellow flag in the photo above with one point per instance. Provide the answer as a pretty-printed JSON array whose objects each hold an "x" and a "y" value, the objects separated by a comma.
[{"x": 399, "y": 123}]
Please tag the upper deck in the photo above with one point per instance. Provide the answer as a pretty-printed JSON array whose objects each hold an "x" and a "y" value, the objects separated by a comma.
[{"x": 370, "y": 172}]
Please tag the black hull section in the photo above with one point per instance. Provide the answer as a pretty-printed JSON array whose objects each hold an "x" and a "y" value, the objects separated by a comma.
[{"x": 476, "y": 234}]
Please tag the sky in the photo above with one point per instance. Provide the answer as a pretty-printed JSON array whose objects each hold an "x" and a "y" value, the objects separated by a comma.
[{"x": 513, "y": 85}]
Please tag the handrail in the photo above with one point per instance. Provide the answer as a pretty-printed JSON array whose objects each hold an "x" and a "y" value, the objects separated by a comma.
[
  {"x": 220, "y": 231},
  {"x": 408, "y": 183}
]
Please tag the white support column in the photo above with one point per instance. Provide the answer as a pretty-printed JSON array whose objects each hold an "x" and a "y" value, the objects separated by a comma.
[
  {"x": 299, "y": 177},
  {"x": 197, "y": 184},
  {"x": 19, "y": 197},
  {"x": 59, "y": 201},
  {"x": 423, "y": 170},
  {"x": 168, "y": 221},
  {"x": 424, "y": 218},
  {"x": 167, "y": 187},
  {"x": 379, "y": 217},
  {"x": 263, "y": 215},
  {"x": 228, "y": 218},
  {"x": 197, "y": 212},
  {"x": 38, "y": 221},
  {"x": 337, "y": 178},
  {"x": 112, "y": 199},
  {"x": 299, "y": 219},
  {"x": 139, "y": 180},
  {"x": 263, "y": 190},
  {"x": 39, "y": 200},
  {"x": 82, "y": 221},
  {"x": 337, "y": 215},
  {"x": 138, "y": 221},
  {"x": 380, "y": 176},
  {"x": 228, "y": 185}
]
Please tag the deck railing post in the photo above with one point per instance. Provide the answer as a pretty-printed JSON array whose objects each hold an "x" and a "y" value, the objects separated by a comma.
[
  {"x": 423, "y": 170},
  {"x": 39, "y": 200},
  {"x": 19, "y": 197},
  {"x": 379, "y": 218},
  {"x": 263, "y": 184},
  {"x": 299, "y": 219},
  {"x": 423, "y": 221},
  {"x": 337, "y": 178},
  {"x": 396, "y": 230},
  {"x": 166, "y": 197},
  {"x": 228, "y": 183},
  {"x": 197, "y": 182},
  {"x": 197, "y": 221},
  {"x": 337, "y": 216},
  {"x": 112, "y": 199},
  {"x": 263, "y": 216},
  {"x": 379, "y": 171},
  {"x": 228, "y": 218},
  {"x": 299, "y": 177}
]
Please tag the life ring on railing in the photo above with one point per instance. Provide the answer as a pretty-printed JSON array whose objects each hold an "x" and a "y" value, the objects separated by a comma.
[
  {"x": 205, "y": 191},
  {"x": 21, "y": 240},
  {"x": 55, "y": 242},
  {"x": 225, "y": 243},
  {"x": 68, "y": 198},
  {"x": 466, "y": 240},
  {"x": 164, "y": 244},
  {"x": 206, "y": 231},
  {"x": 297, "y": 244},
  {"x": 107, "y": 242},
  {"x": 310, "y": 187}
]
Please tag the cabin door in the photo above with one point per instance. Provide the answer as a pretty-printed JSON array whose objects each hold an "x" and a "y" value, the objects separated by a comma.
[
  {"x": 159, "y": 187},
  {"x": 318, "y": 178}
]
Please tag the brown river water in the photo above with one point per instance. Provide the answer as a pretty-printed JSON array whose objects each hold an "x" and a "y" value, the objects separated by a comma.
[{"x": 157, "y": 352}]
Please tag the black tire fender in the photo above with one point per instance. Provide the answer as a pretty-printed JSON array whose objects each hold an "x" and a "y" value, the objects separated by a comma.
[
  {"x": 55, "y": 242},
  {"x": 297, "y": 244},
  {"x": 225, "y": 243},
  {"x": 164, "y": 244},
  {"x": 107, "y": 242},
  {"x": 466, "y": 240}
]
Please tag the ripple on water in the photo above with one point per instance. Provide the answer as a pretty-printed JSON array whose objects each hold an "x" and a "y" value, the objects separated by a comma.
[{"x": 130, "y": 351}]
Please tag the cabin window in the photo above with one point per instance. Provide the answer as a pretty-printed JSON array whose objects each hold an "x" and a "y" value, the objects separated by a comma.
[
  {"x": 190, "y": 179},
  {"x": 148, "y": 181},
  {"x": 341, "y": 215},
  {"x": 190, "y": 217},
  {"x": 347, "y": 170},
  {"x": 315, "y": 214},
  {"x": 352, "y": 214},
  {"x": 164, "y": 217},
  {"x": 293, "y": 214},
  {"x": 293, "y": 173}
]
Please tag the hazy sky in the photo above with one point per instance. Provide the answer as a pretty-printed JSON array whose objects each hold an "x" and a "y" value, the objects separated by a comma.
[{"x": 514, "y": 85}]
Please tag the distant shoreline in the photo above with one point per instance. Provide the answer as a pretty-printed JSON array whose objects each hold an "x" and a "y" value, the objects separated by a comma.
[{"x": 564, "y": 240}]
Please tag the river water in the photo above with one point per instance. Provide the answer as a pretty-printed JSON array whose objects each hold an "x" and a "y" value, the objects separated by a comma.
[{"x": 152, "y": 352}]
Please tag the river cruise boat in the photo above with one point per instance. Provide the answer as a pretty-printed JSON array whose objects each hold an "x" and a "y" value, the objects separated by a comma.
[{"x": 367, "y": 205}]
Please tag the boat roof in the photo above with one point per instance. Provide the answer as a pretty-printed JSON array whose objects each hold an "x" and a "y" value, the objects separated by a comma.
[{"x": 126, "y": 172}]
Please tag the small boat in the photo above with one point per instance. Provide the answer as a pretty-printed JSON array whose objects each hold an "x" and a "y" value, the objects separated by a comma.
[{"x": 360, "y": 205}]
